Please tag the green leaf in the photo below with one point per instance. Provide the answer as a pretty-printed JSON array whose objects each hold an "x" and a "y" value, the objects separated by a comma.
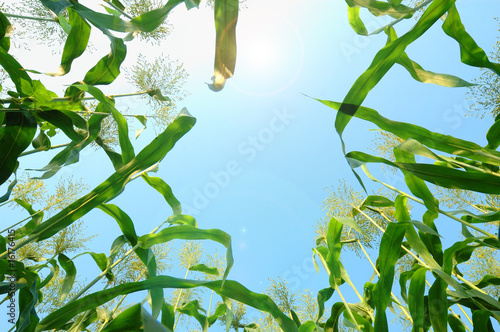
[
  {"x": 108, "y": 68},
  {"x": 388, "y": 256},
  {"x": 191, "y": 233},
  {"x": 355, "y": 21},
  {"x": 41, "y": 142},
  {"x": 149, "y": 21},
  {"x": 226, "y": 17},
  {"x": 134, "y": 318},
  {"x": 15, "y": 136},
  {"x": 433, "y": 140},
  {"x": 205, "y": 269},
  {"x": 219, "y": 311},
  {"x": 333, "y": 321},
  {"x": 493, "y": 136},
  {"x": 6, "y": 196},
  {"x": 125, "y": 144},
  {"x": 193, "y": 309},
  {"x": 17, "y": 74},
  {"x": 190, "y": 4},
  {"x": 481, "y": 321},
  {"x": 323, "y": 296},
  {"x": 168, "y": 315},
  {"x": 231, "y": 289},
  {"x": 456, "y": 324},
  {"x": 163, "y": 188},
  {"x": 383, "y": 61},
  {"x": 146, "y": 256},
  {"x": 470, "y": 53},
  {"x": 126, "y": 224},
  {"x": 76, "y": 43},
  {"x": 334, "y": 247},
  {"x": 70, "y": 269},
  {"x": 379, "y": 8},
  {"x": 36, "y": 219},
  {"x": 438, "y": 306},
  {"x": 28, "y": 299},
  {"x": 182, "y": 219},
  {"x": 436, "y": 174}
]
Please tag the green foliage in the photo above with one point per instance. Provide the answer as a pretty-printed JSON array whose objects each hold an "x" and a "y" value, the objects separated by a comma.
[
  {"x": 163, "y": 75},
  {"x": 464, "y": 274}
]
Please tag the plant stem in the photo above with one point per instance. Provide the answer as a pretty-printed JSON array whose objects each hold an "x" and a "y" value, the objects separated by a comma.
[
  {"x": 121, "y": 95},
  {"x": 118, "y": 304},
  {"x": 178, "y": 299},
  {"x": 131, "y": 94},
  {"x": 449, "y": 215},
  {"x": 32, "y": 18}
]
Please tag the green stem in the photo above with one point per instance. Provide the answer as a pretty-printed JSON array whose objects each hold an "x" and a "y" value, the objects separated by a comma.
[
  {"x": 118, "y": 9},
  {"x": 43, "y": 149}
]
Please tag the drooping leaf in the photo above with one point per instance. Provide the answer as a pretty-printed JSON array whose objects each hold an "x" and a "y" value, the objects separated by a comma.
[
  {"x": 17, "y": 74},
  {"x": 108, "y": 68},
  {"x": 383, "y": 61},
  {"x": 379, "y": 8},
  {"x": 226, "y": 17},
  {"x": 70, "y": 269},
  {"x": 191, "y": 233},
  {"x": 433, "y": 140},
  {"x": 15, "y": 136}
]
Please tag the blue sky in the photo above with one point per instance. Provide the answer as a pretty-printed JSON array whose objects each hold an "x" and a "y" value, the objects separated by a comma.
[{"x": 256, "y": 163}]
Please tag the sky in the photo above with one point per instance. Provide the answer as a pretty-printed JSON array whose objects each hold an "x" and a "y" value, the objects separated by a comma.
[{"x": 262, "y": 152}]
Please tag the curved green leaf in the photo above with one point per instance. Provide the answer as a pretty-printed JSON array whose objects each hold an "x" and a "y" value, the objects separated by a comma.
[
  {"x": 76, "y": 43},
  {"x": 150, "y": 155},
  {"x": 135, "y": 318},
  {"x": 70, "y": 269},
  {"x": 231, "y": 289},
  {"x": 388, "y": 256},
  {"x": 470, "y": 53},
  {"x": 163, "y": 188}
]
